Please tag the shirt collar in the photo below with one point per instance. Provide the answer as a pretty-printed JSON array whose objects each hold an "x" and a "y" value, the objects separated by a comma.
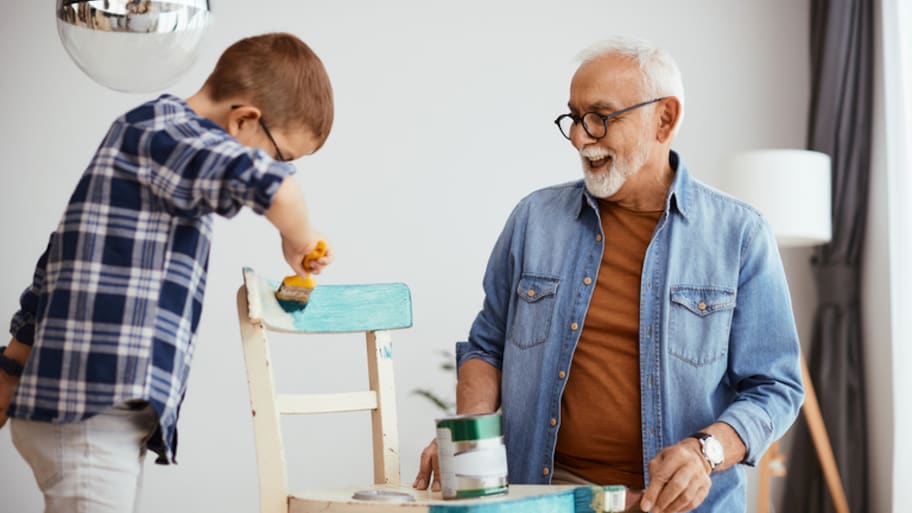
[{"x": 678, "y": 194}]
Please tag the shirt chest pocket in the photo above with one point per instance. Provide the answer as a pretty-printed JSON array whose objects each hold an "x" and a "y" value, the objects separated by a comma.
[
  {"x": 534, "y": 309},
  {"x": 699, "y": 323}
]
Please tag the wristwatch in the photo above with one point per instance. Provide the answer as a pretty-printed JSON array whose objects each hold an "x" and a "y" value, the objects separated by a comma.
[{"x": 711, "y": 448}]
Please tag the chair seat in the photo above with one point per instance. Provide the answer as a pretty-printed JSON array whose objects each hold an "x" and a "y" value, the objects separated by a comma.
[{"x": 519, "y": 499}]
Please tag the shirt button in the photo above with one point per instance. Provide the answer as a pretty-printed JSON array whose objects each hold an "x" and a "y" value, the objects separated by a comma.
[
  {"x": 702, "y": 306},
  {"x": 649, "y": 331},
  {"x": 546, "y": 471},
  {"x": 531, "y": 293},
  {"x": 598, "y": 237},
  {"x": 562, "y": 374},
  {"x": 587, "y": 280},
  {"x": 574, "y": 326},
  {"x": 553, "y": 421}
]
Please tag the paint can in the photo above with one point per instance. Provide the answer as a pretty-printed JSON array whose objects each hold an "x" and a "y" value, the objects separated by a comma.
[{"x": 472, "y": 456}]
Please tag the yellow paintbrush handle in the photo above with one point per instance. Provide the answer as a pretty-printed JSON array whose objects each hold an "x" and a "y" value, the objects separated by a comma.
[
  {"x": 317, "y": 252},
  {"x": 307, "y": 282}
]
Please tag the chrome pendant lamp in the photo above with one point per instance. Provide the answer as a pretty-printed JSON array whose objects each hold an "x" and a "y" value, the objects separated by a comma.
[{"x": 135, "y": 46}]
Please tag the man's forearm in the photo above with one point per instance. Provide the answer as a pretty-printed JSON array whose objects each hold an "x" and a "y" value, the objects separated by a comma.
[{"x": 478, "y": 388}]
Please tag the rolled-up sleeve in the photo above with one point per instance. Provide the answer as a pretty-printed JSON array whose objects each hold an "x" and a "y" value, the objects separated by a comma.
[
  {"x": 488, "y": 334},
  {"x": 764, "y": 365},
  {"x": 22, "y": 327},
  {"x": 198, "y": 175}
]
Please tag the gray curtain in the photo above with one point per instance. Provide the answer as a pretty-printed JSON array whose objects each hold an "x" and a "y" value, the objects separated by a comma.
[{"x": 842, "y": 62}]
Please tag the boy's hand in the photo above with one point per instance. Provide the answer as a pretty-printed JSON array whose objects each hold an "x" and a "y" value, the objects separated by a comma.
[
  {"x": 296, "y": 252},
  {"x": 18, "y": 352},
  {"x": 8, "y": 385}
]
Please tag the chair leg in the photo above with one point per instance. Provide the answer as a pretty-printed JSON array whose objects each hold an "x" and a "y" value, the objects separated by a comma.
[
  {"x": 383, "y": 419},
  {"x": 271, "y": 473}
]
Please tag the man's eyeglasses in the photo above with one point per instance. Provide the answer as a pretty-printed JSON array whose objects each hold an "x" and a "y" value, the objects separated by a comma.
[
  {"x": 278, "y": 152},
  {"x": 594, "y": 123}
]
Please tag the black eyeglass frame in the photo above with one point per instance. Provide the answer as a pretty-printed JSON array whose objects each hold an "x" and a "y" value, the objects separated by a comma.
[
  {"x": 605, "y": 118},
  {"x": 279, "y": 156}
]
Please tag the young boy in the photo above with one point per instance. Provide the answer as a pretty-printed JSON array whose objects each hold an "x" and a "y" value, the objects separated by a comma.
[{"x": 101, "y": 349}]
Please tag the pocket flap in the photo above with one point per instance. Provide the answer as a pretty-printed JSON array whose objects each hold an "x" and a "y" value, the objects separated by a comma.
[
  {"x": 703, "y": 300},
  {"x": 532, "y": 288}
]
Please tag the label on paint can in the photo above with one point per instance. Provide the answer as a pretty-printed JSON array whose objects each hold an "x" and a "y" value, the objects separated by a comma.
[
  {"x": 472, "y": 456},
  {"x": 615, "y": 498}
]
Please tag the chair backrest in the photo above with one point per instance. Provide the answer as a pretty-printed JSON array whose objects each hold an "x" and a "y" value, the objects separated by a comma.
[{"x": 373, "y": 309}]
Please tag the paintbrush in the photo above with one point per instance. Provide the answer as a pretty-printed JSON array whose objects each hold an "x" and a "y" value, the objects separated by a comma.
[
  {"x": 295, "y": 289},
  {"x": 598, "y": 499}
]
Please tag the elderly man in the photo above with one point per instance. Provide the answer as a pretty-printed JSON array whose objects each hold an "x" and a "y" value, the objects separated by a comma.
[{"x": 637, "y": 327}]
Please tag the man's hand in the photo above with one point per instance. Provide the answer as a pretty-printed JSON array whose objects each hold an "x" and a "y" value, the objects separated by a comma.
[
  {"x": 429, "y": 464},
  {"x": 477, "y": 392},
  {"x": 678, "y": 479}
]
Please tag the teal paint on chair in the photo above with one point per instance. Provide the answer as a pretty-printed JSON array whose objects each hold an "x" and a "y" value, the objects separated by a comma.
[
  {"x": 331, "y": 308},
  {"x": 560, "y": 502}
]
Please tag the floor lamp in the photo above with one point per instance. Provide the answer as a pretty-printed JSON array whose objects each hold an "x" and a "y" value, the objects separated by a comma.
[{"x": 792, "y": 189}]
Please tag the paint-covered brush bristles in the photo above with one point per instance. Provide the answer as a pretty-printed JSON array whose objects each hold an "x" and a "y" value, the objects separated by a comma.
[
  {"x": 297, "y": 290},
  {"x": 600, "y": 499}
]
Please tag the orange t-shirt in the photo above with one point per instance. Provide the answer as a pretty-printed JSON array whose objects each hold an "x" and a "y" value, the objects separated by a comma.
[{"x": 600, "y": 435}]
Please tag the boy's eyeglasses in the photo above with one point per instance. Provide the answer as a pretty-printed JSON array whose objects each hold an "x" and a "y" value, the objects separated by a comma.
[
  {"x": 595, "y": 124},
  {"x": 279, "y": 155},
  {"x": 278, "y": 152}
]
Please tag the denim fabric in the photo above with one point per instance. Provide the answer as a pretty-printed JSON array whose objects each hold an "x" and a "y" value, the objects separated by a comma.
[{"x": 717, "y": 336}]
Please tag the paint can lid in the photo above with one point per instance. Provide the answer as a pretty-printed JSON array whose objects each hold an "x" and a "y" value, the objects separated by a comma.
[{"x": 383, "y": 496}]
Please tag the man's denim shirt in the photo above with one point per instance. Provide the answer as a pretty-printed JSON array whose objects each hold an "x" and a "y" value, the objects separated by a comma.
[{"x": 717, "y": 337}]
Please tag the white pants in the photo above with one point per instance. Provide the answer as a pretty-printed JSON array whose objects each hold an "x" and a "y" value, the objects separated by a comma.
[{"x": 92, "y": 466}]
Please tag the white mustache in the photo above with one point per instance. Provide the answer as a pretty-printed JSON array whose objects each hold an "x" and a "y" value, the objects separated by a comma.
[{"x": 595, "y": 153}]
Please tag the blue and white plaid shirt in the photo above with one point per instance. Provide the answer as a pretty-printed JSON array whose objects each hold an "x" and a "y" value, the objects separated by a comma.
[{"x": 115, "y": 302}]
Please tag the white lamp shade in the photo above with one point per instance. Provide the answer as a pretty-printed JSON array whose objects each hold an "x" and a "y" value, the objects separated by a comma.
[{"x": 790, "y": 187}]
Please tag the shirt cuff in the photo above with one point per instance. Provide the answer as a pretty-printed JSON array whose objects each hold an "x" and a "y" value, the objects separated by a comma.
[
  {"x": 23, "y": 329},
  {"x": 754, "y": 425},
  {"x": 464, "y": 353},
  {"x": 266, "y": 185}
]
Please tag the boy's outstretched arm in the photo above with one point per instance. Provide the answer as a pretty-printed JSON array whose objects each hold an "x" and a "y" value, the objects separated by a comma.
[
  {"x": 288, "y": 213},
  {"x": 18, "y": 352}
]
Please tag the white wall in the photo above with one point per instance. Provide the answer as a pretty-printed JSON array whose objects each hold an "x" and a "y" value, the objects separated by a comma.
[
  {"x": 887, "y": 278},
  {"x": 443, "y": 122}
]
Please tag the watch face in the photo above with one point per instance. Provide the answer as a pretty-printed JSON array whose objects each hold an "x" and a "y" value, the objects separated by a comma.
[{"x": 712, "y": 449}]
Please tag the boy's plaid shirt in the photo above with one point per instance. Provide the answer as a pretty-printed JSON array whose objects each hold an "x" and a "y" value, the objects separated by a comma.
[{"x": 116, "y": 297}]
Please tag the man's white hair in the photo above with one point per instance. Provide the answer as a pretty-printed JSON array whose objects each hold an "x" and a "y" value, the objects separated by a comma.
[{"x": 661, "y": 76}]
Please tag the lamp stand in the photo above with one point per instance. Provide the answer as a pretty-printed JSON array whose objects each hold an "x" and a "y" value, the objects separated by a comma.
[{"x": 772, "y": 462}]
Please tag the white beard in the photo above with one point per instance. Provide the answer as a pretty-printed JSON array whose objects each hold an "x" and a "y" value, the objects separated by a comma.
[{"x": 605, "y": 184}]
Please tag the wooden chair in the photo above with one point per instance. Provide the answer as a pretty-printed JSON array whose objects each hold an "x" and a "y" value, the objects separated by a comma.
[{"x": 374, "y": 309}]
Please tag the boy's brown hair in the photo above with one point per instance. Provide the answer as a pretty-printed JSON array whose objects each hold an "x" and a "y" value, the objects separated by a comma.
[{"x": 282, "y": 77}]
